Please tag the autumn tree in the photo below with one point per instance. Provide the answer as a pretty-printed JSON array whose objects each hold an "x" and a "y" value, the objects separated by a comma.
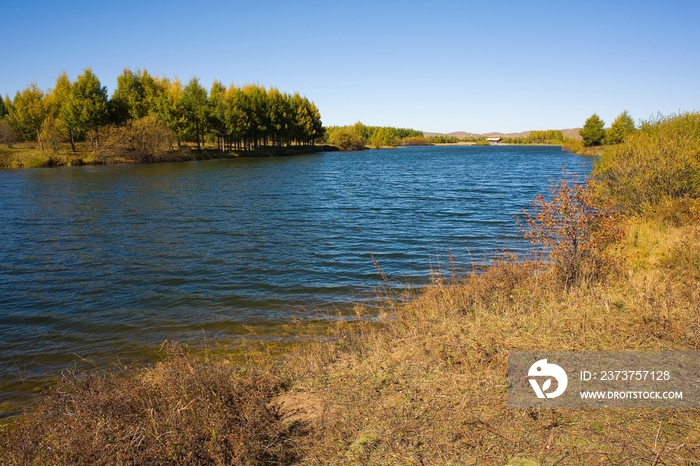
[
  {"x": 194, "y": 100},
  {"x": 27, "y": 113},
  {"x": 7, "y": 104},
  {"x": 235, "y": 116},
  {"x": 256, "y": 108},
  {"x": 279, "y": 115},
  {"x": 216, "y": 112},
  {"x": 136, "y": 95},
  {"x": 363, "y": 130},
  {"x": 620, "y": 128},
  {"x": 52, "y": 132},
  {"x": 169, "y": 108},
  {"x": 128, "y": 98},
  {"x": 383, "y": 137},
  {"x": 87, "y": 107},
  {"x": 56, "y": 103},
  {"x": 307, "y": 121},
  {"x": 593, "y": 131},
  {"x": 57, "y": 97},
  {"x": 7, "y": 134}
]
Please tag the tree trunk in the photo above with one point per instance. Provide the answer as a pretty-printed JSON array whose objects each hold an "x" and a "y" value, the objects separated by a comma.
[
  {"x": 71, "y": 137},
  {"x": 197, "y": 134}
]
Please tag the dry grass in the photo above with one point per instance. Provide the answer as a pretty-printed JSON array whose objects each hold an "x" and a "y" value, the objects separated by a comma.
[
  {"x": 183, "y": 411},
  {"x": 429, "y": 385}
]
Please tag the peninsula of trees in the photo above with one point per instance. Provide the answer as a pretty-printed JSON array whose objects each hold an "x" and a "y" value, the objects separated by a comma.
[{"x": 146, "y": 112}]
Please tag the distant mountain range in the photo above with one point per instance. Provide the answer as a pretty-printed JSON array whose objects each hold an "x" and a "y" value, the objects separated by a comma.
[{"x": 568, "y": 133}]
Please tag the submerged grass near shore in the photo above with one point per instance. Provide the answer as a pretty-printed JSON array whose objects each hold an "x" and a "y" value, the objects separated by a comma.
[{"x": 423, "y": 379}]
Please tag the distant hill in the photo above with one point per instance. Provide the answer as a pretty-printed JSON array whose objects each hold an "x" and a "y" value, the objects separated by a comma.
[{"x": 569, "y": 133}]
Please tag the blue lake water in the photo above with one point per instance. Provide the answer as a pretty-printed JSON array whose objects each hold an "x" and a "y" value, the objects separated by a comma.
[{"x": 103, "y": 263}]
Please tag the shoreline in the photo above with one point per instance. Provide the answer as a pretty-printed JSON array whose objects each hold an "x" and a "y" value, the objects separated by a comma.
[
  {"x": 17, "y": 158},
  {"x": 349, "y": 390}
]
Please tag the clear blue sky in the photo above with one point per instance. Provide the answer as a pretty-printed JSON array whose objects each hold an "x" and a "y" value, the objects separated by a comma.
[{"x": 436, "y": 66}]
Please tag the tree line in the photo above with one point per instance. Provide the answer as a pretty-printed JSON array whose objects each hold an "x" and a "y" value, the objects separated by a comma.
[
  {"x": 357, "y": 136},
  {"x": 240, "y": 118},
  {"x": 547, "y": 136}
]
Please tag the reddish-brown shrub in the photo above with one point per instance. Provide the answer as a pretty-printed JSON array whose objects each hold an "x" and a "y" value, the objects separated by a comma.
[{"x": 576, "y": 228}]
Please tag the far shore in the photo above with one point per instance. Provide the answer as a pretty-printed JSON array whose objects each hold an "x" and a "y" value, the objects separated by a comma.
[{"x": 31, "y": 157}]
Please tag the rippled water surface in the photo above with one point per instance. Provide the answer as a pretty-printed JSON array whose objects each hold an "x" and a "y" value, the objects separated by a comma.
[{"x": 105, "y": 262}]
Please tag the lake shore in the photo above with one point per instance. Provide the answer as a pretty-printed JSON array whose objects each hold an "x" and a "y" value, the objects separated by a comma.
[
  {"x": 429, "y": 371},
  {"x": 133, "y": 254},
  {"x": 424, "y": 379},
  {"x": 31, "y": 157}
]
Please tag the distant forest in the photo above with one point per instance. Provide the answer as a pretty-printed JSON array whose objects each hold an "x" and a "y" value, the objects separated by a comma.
[
  {"x": 158, "y": 109},
  {"x": 359, "y": 135}
]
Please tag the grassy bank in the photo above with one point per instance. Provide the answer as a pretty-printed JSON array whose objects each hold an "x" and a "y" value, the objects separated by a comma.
[
  {"x": 423, "y": 380},
  {"x": 575, "y": 146},
  {"x": 28, "y": 155}
]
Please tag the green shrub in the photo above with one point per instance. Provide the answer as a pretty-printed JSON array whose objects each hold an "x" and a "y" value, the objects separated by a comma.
[
  {"x": 660, "y": 161},
  {"x": 346, "y": 139}
]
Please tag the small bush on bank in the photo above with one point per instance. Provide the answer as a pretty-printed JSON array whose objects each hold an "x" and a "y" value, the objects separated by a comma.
[
  {"x": 143, "y": 140},
  {"x": 346, "y": 139},
  {"x": 576, "y": 228}
]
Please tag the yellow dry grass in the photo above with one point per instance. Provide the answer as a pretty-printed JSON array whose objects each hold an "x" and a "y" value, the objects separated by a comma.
[{"x": 428, "y": 385}]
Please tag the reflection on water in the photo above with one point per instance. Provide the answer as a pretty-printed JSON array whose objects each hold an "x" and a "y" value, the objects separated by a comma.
[{"x": 104, "y": 263}]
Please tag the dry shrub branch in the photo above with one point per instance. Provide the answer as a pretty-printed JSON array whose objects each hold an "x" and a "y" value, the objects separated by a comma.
[{"x": 577, "y": 228}]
